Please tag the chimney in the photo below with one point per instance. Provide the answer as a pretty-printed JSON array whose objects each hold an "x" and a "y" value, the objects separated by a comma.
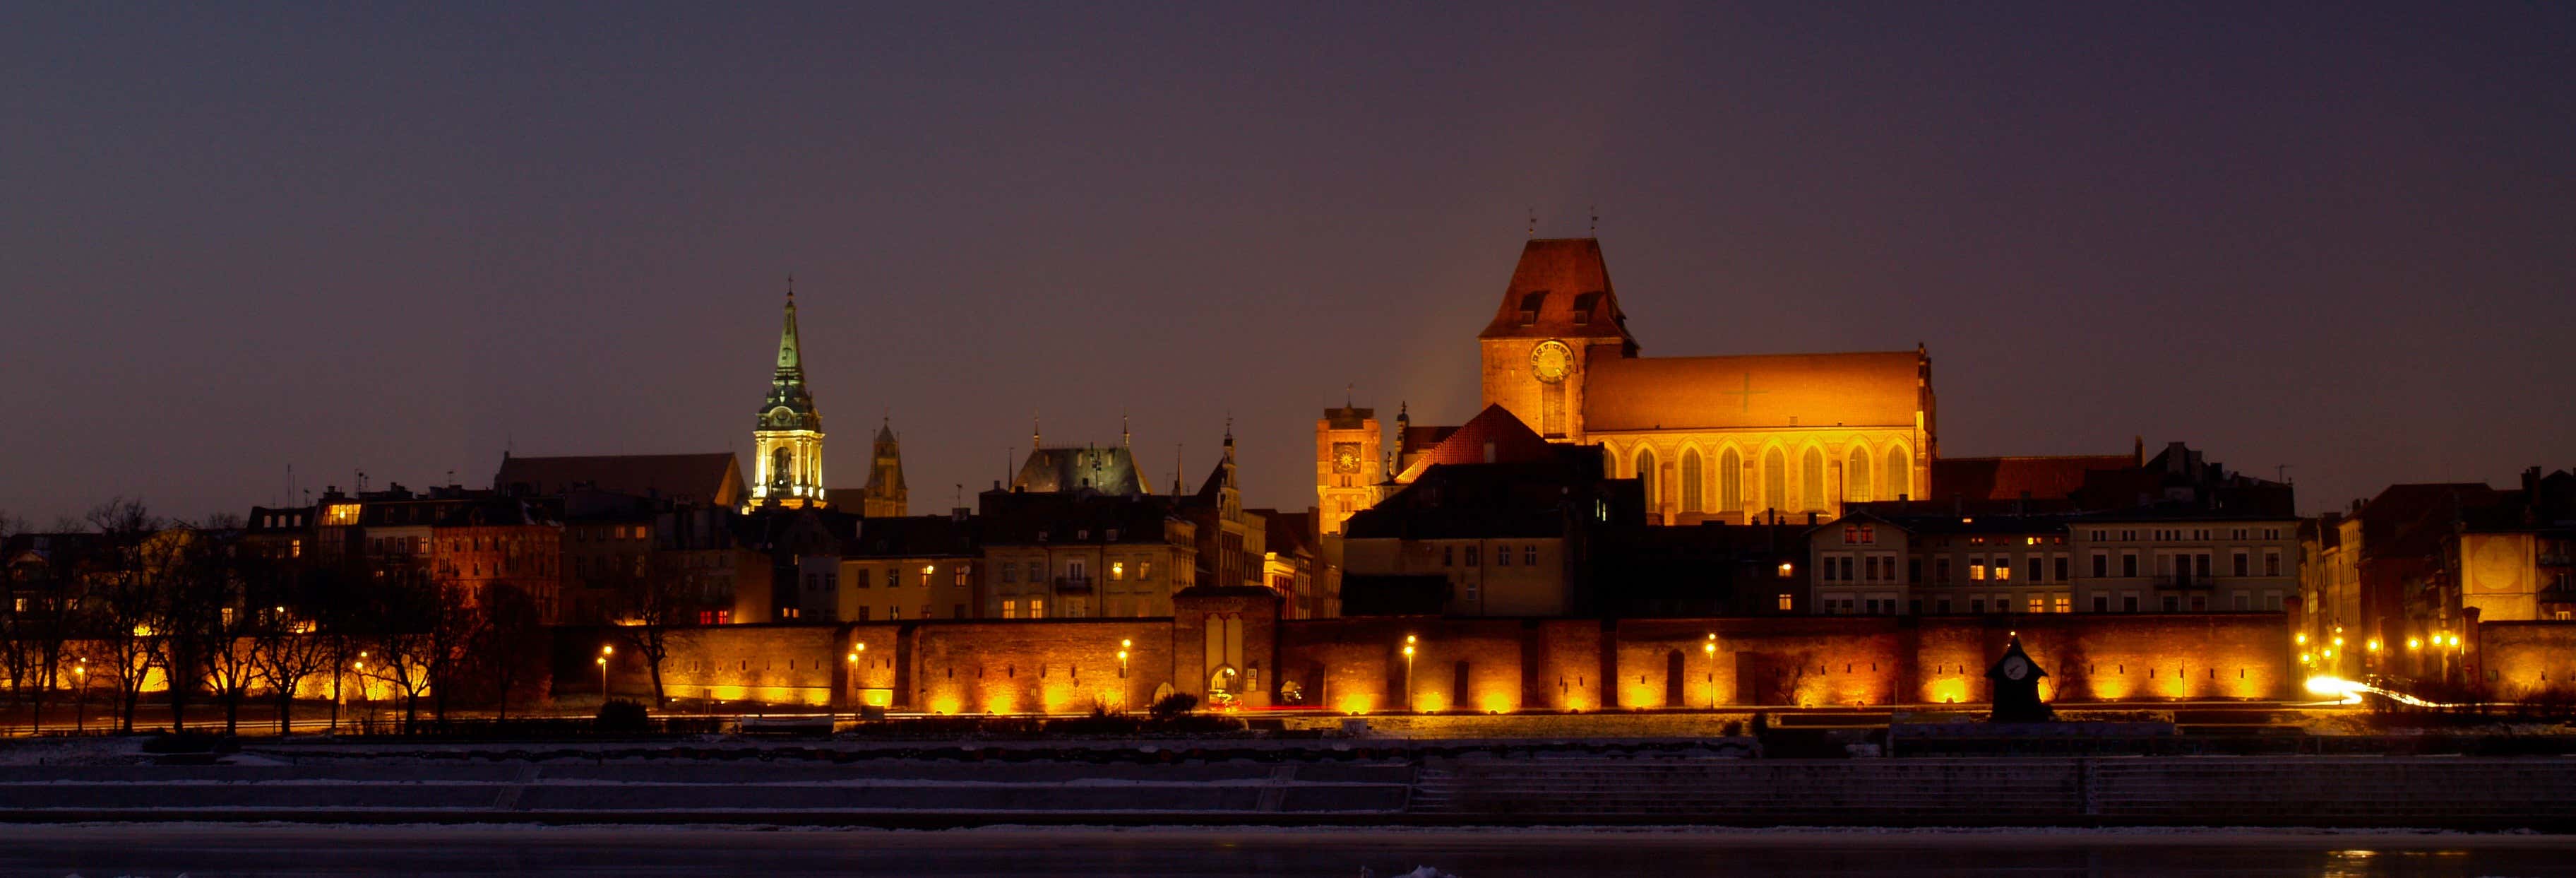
[{"x": 1811, "y": 519}]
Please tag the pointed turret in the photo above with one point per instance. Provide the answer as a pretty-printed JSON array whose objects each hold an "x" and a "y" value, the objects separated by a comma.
[
  {"x": 885, "y": 495},
  {"x": 787, "y": 436}
]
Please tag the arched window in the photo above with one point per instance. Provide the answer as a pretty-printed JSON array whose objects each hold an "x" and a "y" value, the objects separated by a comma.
[
  {"x": 1811, "y": 480},
  {"x": 779, "y": 462},
  {"x": 1775, "y": 480},
  {"x": 1646, "y": 474},
  {"x": 1730, "y": 481},
  {"x": 1691, "y": 488},
  {"x": 1856, "y": 475},
  {"x": 1900, "y": 474}
]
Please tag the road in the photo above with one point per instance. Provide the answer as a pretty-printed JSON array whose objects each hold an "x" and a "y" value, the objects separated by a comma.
[{"x": 201, "y": 850}]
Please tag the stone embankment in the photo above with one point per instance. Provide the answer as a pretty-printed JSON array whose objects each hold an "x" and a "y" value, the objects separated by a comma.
[
  {"x": 1322, "y": 783},
  {"x": 2451, "y": 792}
]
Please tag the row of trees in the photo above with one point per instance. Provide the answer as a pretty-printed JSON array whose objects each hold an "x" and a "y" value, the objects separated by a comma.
[{"x": 218, "y": 618}]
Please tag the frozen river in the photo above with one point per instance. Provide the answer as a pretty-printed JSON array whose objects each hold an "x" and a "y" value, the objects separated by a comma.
[{"x": 201, "y": 850}]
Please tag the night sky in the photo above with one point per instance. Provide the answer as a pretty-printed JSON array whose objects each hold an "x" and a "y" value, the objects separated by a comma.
[{"x": 338, "y": 237}]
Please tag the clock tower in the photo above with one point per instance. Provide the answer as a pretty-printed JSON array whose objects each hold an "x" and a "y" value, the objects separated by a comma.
[
  {"x": 1348, "y": 466},
  {"x": 1558, "y": 314},
  {"x": 787, "y": 438}
]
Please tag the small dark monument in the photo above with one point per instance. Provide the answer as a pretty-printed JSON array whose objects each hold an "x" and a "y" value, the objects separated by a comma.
[{"x": 2016, "y": 686}]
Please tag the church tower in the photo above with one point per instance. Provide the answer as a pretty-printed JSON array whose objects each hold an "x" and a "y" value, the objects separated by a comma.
[
  {"x": 885, "y": 496},
  {"x": 787, "y": 440},
  {"x": 1558, "y": 316},
  {"x": 1348, "y": 464}
]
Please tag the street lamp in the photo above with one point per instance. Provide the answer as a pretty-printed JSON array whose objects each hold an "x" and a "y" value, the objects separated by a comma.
[
  {"x": 603, "y": 678},
  {"x": 1408, "y": 672},
  {"x": 1710, "y": 648},
  {"x": 80, "y": 705}
]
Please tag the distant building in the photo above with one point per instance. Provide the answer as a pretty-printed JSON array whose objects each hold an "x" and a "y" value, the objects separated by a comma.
[
  {"x": 1495, "y": 521},
  {"x": 885, "y": 496},
  {"x": 1734, "y": 439},
  {"x": 501, "y": 543},
  {"x": 1083, "y": 553},
  {"x": 2420, "y": 564},
  {"x": 910, "y": 568}
]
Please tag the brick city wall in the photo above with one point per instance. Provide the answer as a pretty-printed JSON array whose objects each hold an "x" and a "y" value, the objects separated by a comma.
[
  {"x": 2520, "y": 658},
  {"x": 1064, "y": 666}
]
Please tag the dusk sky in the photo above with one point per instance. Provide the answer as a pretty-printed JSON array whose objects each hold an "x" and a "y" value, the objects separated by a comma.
[{"x": 338, "y": 237}]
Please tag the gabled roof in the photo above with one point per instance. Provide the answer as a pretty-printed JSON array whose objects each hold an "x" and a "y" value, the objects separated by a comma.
[
  {"x": 1560, "y": 289},
  {"x": 1494, "y": 435},
  {"x": 2013, "y": 478},
  {"x": 712, "y": 477},
  {"x": 1877, "y": 389}
]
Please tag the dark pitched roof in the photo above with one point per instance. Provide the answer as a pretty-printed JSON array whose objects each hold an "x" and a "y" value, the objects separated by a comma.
[
  {"x": 912, "y": 536},
  {"x": 1288, "y": 532},
  {"x": 2013, "y": 478},
  {"x": 498, "y": 512},
  {"x": 1067, "y": 517},
  {"x": 1102, "y": 470},
  {"x": 1348, "y": 418},
  {"x": 712, "y": 477},
  {"x": 1494, "y": 435},
  {"x": 1560, "y": 289},
  {"x": 1413, "y": 439}
]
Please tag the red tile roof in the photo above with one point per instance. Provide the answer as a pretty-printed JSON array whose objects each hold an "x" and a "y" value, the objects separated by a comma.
[
  {"x": 1877, "y": 389},
  {"x": 1560, "y": 289},
  {"x": 1494, "y": 435}
]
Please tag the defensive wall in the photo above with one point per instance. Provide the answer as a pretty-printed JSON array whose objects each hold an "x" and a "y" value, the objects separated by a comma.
[
  {"x": 1233, "y": 639},
  {"x": 2523, "y": 658}
]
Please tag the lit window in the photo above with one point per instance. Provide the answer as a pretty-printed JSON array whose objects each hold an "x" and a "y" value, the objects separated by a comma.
[
  {"x": 1117, "y": 571},
  {"x": 1786, "y": 602},
  {"x": 925, "y": 575},
  {"x": 1144, "y": 570},
  {"x": 1037, "y": 609},
  {"x": 962, "y": 571},
  {"x": 1010, "y": 609},
  {"x": 2063, "y": 603}
]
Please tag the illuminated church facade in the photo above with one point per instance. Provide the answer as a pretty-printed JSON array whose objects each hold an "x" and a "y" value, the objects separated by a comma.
[{"x": 1712, "y": 438}]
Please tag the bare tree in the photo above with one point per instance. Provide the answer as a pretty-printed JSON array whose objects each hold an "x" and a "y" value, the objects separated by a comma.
[
  {"x": 285, "y": 653},
  {"x": 511, "y": 648},
  {"x": 121, "y": 605},
  {"x": 651, "y": 618}
]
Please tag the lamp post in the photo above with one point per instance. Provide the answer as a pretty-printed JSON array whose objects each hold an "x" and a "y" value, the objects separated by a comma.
[
  {"x": 80, "y": 703},
  {"x": 1124, "y": 687},
  {"x": 604, "y": 652},
  {"x": 1709, "y": 647},
  {"x": 853, "y": 660},
  {"x": 1408, "y": 673}
]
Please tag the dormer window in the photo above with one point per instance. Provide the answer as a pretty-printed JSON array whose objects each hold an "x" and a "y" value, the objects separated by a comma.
[
  {"x": 1530, "y": 305},
  {"x": 1583, "y": 308}
]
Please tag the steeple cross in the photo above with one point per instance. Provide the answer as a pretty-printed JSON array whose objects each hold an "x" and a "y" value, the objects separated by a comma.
[{"x": 1747, "y": 393}]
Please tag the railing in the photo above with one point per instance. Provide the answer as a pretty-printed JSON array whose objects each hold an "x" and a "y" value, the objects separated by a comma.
[{"x": 1065, "y": 584}]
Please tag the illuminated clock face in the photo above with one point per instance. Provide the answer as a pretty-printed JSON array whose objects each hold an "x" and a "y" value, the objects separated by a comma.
[
  {"x": 2016, "y": 668},
  {"x": 1346, "y": 457},
  {"x": 1551, "y": 360}
]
